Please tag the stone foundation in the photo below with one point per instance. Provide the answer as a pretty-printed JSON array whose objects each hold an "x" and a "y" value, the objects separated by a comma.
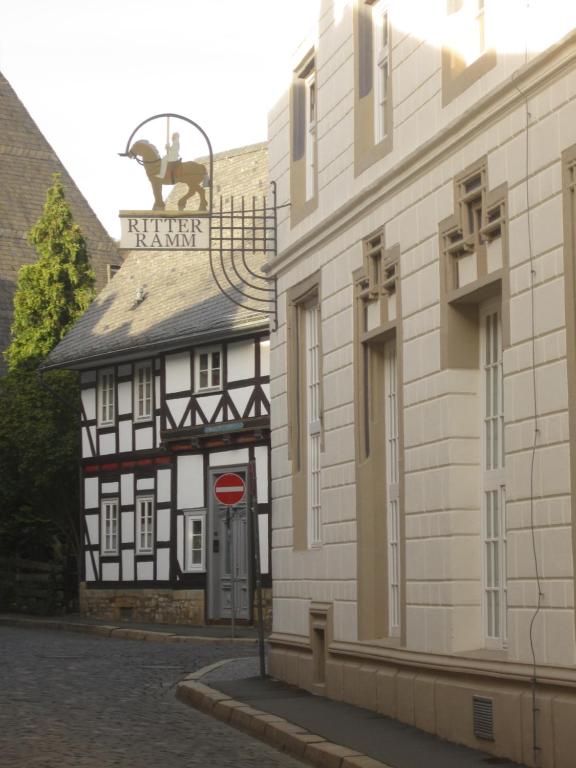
[
  {"x": 436, "y": 694},
  {"x": 162, "y": 606}
]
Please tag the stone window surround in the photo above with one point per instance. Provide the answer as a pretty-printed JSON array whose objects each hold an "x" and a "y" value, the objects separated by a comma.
[
  {"x": 459, "y": 305},
  {"x": 569, "y": 250},
  {"x": 457, "y": 77},
  {"x": 304, "y": 294},
  {"x": 302, "y": 205},
  {"x": 366, "y": 150},
  {"x": 376, "y": 284}
]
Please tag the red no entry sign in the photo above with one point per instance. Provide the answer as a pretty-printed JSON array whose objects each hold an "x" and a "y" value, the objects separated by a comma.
[{"x": 229, "y": 489}]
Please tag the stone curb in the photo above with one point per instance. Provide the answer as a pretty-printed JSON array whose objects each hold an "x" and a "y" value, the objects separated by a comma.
[
  {"x": 274, "y": 730},
  {"x": 126, "y": 633}
]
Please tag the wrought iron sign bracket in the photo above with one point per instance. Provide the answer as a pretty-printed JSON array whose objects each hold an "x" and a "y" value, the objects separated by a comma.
[{"x": 239, "y": 234}]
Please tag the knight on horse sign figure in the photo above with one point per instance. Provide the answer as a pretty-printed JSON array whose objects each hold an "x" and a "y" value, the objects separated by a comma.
[
  {"x": 172, "y": 156},
  {"x": 170, "y": 169}
]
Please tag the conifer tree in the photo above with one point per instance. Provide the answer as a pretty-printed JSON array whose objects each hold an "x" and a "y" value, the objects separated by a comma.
[
  {"x": 53, "y": 291},
  {"x": 38, "y": 417}
]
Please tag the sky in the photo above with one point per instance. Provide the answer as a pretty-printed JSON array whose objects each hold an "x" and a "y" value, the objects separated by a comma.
[{"x": 89, "y": 71}]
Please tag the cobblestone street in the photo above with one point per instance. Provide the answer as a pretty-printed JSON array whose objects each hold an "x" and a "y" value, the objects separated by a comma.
[{"x": 77, "y": 701}]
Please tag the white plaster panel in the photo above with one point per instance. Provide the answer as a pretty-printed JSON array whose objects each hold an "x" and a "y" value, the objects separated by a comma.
[
  {"x": 208, "y": 404},
  {"x": 125, "y": 436},
  {"x": 157, "y": 389},
  {"x": 266, "y": 390},
  {"x": 158, "y": 438},
  {"x": 127, "y": 489},
  {"x": 144, "y": 571},
  {"x": 124, "y": 397},
  {"x": 89, "y": 403},
  {"x": 163, "y": 479},
  {"x": 180, "y": 541},
  {"x": 90, "y": 575},
  {"x": 109, "y": 487},
  {"x": 163, "y": 564},
  {"x": 144, "y": 438},
  {"x": 110, "y": 571},
  {"x": 241, "y": 360},
  {"x": 107, "y": 443},
  {"x": 265, "y": 357},
  {"x": 90, "y": 492},
  {"x": 224, "y": 458},
  {"x": 178, "y": 372},
  {"x": 92, "y": 528},
  {"x": 127, "y": 527},
  {"x": 127, "y": 565},
  {"x": 240, "y": 398},
  {"x": 87, "y": 377},
  {"x": 264, "y": 544},
  {"x": 163, "y": 524},
  {"x": 190, "y": 482},
  {"x": 86, "y": 446},
  {"x": 261, "y": 456},
  {"x": 145, "y": 484},
  {"x": 177, "y": 408}
]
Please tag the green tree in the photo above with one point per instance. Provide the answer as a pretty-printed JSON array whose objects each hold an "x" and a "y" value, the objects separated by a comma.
[
  {"x": 56, "y": 289},
  {"x": 38, "y": 415}
]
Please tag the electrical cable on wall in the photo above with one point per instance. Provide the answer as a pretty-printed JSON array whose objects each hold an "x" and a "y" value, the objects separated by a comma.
[{"x": 535, "y": 747}]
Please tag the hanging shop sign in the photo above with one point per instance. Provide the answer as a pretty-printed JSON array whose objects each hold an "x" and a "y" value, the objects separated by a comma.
[
  {"x": 187, "y": 227},
  {"x": 178, "y": 231}
]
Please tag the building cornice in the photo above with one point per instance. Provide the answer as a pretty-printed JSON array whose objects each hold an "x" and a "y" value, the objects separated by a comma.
[{"x": 502, "y": 100}]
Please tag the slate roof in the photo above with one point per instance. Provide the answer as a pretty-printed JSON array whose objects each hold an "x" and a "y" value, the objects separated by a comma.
[
  {"x": 182, "y": 304},
  {"x": 27, "y": 162}
]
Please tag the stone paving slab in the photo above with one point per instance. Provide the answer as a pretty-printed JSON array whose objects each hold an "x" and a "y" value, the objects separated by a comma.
[{"x": 325, "y": 733}]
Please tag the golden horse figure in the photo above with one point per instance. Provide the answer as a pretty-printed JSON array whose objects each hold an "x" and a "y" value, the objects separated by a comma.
[{"x": 190, "y": 173}]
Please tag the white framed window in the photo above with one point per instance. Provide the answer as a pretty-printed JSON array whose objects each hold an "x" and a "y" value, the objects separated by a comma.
[
  {"x": 310, "y": 131},
  {"x": 109, "y": 527},
  {"x": 208, "y": 368},
  {"x": 467, "y": 29},
  {"x": 493, "y": 477},
  {"x": 392, "y": 486},
  {"x": 381, "y": 53},
  {"x": 106, "y": 397},
  {"x": 194, "y": 540},
  {"x": 143, "y": 392},
  {"x": 144, "y": 525},
  {"x": 311, "y": 318}
]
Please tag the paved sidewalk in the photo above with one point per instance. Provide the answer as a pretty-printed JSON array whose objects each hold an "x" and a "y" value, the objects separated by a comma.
[
  {"x": 163, "y": 633},
  {"x": 322, "y": 732},
  {"x": 325, "y": 733}
]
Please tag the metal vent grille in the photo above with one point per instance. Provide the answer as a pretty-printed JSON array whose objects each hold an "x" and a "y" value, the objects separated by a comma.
[{"x": 483, "y": 718}]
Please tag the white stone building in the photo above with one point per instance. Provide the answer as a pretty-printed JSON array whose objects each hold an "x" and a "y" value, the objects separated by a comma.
[{"x": 424, "y": 369}]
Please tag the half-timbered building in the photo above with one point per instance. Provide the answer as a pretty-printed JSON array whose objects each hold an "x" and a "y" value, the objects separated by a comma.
[{"x": 175, "y": 392}]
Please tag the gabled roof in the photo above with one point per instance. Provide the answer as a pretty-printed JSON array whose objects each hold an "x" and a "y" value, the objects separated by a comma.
[
  {"x": 27, "y": 163},
  {"x": 181, "y": 302}
]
